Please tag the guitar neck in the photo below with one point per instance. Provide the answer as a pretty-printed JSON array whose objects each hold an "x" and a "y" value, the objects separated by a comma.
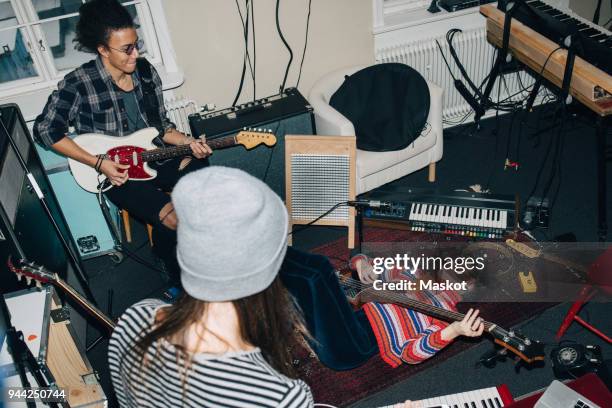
[
  {"x": 95, "y": 312},
  {"x": 382, "y": 296},
  {"x": 184, "y": 150}
]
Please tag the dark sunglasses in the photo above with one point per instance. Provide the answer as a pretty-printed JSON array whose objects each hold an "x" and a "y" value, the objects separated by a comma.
[{"x": 129, "y": 49}]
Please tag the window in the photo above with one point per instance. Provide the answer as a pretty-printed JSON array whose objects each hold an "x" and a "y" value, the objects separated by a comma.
[
  {"x": 384, "y": 8},
  {"x": 36, "y": 41}
]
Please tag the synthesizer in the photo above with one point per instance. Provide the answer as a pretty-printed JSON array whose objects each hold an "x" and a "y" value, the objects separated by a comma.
[
  {"x": 594, "y": 42},
  {"x": 469, "y": 214},
  {"x": 249, "y": 115},
  {"x": 590, "y": 85},
  {"x": 492, "y": 397}
]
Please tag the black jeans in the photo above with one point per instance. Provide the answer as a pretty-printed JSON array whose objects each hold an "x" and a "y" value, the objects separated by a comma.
[{"x": 145, "y": 199}]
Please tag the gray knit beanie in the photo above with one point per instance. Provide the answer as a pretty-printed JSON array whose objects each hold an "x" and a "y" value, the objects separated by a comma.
[{"x": 232, "y": 233}]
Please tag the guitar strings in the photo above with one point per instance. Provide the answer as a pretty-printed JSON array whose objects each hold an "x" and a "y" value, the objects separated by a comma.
[{"x": 386, "y": 296}]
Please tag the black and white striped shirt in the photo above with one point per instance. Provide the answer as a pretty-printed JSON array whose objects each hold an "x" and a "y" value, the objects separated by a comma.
[{"x": 236, "y": 379}]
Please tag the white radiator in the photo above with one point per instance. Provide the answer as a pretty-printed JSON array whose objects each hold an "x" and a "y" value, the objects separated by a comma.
[
  {"x": 178, "y": 111},
  {"x": 476, "y": 55}
]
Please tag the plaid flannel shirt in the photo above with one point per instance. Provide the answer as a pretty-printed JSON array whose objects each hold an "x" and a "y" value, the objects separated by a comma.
[{"x": 88, "y": 100}]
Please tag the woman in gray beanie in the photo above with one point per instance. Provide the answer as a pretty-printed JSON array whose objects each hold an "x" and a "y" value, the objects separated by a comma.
[{"x": 226, "y": 342}]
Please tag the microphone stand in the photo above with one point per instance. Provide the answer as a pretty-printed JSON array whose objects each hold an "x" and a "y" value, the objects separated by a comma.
[
  {"x": 41, "y": 197},
  {"x": 22, "y": 356}
]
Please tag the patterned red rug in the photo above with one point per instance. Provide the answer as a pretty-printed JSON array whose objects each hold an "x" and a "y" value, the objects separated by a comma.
[{"x": 341, "y": 388}]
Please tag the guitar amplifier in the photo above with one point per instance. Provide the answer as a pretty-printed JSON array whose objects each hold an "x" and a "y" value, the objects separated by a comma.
[{"x": 285, "y": 113}]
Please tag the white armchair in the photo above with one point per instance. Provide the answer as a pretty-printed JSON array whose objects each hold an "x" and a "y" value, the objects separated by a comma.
[{"x": 377, "y": 168}]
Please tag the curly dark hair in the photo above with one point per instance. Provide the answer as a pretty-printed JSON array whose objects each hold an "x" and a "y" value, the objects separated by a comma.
[{"x": 97, "y": 19}]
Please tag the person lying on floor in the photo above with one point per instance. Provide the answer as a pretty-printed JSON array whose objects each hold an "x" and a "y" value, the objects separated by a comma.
[
  {"x": 404, "y": 335},
  {"x": 226, "y": 340},
  {"x": 346, "y": 338}
]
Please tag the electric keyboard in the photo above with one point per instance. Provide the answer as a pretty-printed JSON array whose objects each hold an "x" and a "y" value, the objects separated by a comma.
[
  {"x": 492, "y": 397},
  {"x": 536, "y": 41},
  {"x": 595, "y": 42},
  {"x": 473, "y": 215}
]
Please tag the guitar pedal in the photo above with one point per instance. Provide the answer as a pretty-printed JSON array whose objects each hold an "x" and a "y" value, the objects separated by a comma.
[{"x": 528, "y": 283}]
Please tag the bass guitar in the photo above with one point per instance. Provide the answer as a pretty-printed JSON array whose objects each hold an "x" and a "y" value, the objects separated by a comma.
[
  {"x": 41, "y": 275},
  {"x": 137, "y": 149},
  {"x": 529, "y": 351}
]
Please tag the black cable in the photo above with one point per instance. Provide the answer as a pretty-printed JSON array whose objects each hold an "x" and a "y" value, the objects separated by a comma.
[
  {"x": 243, "y": 62},
  {"x": 265, "y": 175},
  {"x": 280, "y": 33},
  {"x": 597, "y": 12},
  {"x": 509, "y": 139},
  {"x": 560, "y": 136},
  {"x": 450, "y": 71},
  {"x": 141, "y": 261},
  {"x": 246, "y": 25},
  {"x": 496, "y": 131},
  {"x": 305, "y": 226},
  {"x": 449, "y": 39},
  {"x": 305, "y": 43},
  {"x": 540, "y": 170},
  {"x": 254, "y": 51}
]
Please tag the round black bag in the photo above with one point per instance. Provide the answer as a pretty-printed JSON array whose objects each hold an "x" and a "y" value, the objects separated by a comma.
[{"x": 387, "y": 103}]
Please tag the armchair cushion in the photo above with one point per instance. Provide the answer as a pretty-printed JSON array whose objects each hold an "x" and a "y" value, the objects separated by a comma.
[{"x": 388, "y": 105}]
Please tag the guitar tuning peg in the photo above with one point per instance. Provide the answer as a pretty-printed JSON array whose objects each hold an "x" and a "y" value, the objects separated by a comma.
[{"x": 28, "y": 280}]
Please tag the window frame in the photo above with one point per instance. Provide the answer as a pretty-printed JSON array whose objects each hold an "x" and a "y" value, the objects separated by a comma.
[
  {"x": 152, "y": 22},
  {"x": 383, "y": 8}
]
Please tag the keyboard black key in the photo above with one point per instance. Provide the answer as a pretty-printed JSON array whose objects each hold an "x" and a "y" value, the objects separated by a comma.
[
  {"x": 598, "y": 37},
  {"x": 589, "y": 32}
]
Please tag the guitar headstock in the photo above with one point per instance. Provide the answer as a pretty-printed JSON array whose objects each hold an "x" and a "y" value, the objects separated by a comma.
[
  {"x": 251, "y": 138},
  {"x": 524, "y": 348},
  {"x": 31, "y": 271},
  {"x": 523, "y": 248}
]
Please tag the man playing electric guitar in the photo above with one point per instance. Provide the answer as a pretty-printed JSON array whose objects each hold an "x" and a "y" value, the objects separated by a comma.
[{"x": 117, "y": 94}]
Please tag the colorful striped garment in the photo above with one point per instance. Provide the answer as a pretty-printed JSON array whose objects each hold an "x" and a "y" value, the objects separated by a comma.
[{"x": 404, "y": 335}]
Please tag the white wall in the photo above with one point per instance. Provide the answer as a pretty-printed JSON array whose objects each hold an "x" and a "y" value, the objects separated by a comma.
[{"x": 207, "y": 36}]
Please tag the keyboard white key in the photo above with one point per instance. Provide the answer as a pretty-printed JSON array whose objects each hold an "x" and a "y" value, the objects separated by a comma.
[{"x": 483, "y": 398}]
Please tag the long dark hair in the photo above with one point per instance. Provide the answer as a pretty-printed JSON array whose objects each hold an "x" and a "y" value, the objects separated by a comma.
[
  {"x": 269, "y": 320},
  {"x": 97, "y": 20}
]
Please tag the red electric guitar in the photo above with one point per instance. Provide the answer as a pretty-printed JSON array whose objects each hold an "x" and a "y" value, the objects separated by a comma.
[{"x": 137, "y": 149}]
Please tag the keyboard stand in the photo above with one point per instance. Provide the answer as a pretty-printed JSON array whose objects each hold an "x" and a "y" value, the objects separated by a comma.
[{"x": 602, "y": 110}]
